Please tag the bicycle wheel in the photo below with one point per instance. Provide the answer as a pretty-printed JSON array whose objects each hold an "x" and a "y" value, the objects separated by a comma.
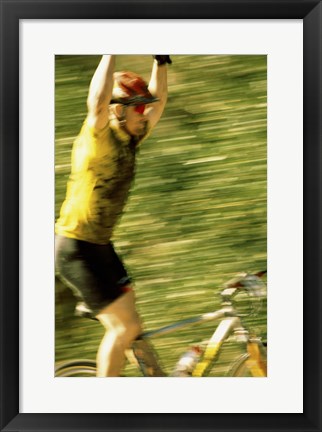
[
  {"x": 239, "y": 368},
  {"x": 231, "y": 362},
  {"x": 76, "y": 368},
  {"x": 247, "y": 365}
]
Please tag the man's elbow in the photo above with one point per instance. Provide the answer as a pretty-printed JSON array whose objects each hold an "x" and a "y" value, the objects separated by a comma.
[
  {"x": 162, "y": 96},
  {"x": 164, "y": 99}
]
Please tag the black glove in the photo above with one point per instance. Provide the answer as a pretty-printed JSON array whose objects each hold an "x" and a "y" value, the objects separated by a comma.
[{"x": 162, "y": 59}]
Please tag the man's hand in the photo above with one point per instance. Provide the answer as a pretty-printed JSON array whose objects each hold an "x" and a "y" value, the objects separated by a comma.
[{"x": 162, "y": 59}]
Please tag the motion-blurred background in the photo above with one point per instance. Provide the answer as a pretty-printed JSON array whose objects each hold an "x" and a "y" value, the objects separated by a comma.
[{"x": 197, "y": 211}]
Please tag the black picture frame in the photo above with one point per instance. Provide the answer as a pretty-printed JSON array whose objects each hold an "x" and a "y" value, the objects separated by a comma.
[{"x": 11, "y": 12}]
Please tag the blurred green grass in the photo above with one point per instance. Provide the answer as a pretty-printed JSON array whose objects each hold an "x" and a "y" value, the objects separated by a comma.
[{"x": 197, "y": 210}]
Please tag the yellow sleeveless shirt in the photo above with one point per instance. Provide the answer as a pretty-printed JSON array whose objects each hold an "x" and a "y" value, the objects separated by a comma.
[{"x": 103, "y": 167}]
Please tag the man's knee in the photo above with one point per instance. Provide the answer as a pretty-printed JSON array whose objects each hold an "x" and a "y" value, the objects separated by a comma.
[
  {"x": 125, "y": 331},
  {"x": 124, "y": 336},
  {"x": 122, "y": 318},
  {"x": 129, "y": 332}
]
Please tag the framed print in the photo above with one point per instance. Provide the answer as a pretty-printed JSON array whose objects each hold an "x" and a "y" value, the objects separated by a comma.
[{"x": 244, "y": 100}]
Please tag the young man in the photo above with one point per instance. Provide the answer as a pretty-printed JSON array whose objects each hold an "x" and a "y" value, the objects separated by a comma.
[{"x": 122, "y": 110}]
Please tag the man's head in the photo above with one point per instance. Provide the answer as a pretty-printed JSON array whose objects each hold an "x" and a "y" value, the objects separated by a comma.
[{"x": 130, "y": 96}]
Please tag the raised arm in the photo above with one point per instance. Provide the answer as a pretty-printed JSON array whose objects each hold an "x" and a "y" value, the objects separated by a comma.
[
  {"x": 100, "y": 93},
  {"x": 158, "y": 86}
]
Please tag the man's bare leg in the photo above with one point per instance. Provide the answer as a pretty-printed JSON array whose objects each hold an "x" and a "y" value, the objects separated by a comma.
[{"x": 123, "y": 325}]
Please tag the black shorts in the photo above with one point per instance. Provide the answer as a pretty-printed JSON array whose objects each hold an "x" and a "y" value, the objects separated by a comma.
[{"x": 94, "y": 272}]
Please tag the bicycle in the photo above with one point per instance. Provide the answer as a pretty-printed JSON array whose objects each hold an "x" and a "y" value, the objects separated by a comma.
[{"x": 252, "y": 361}]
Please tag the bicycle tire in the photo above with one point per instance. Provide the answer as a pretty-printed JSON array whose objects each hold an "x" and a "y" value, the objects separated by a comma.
[
  {"x": 76, "y": 368},
  {"x": 239, "y": 368},
  {"x": 250, "y": 362},
  {"x": 245, "y": 367}
]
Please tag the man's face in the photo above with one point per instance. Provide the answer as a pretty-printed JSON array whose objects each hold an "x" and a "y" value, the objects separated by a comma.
[{"x": 136, "y": 121}]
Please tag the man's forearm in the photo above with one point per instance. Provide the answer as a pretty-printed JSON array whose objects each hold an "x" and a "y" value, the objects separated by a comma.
[
  {"x": 158, "y": 85},
  {"x": 100, "y": 90}
]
